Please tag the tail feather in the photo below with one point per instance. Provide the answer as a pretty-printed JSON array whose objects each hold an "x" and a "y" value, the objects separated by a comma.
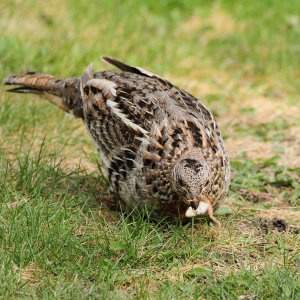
[
  {"x": 31, "y": 80},
  {"x": 23, "y": 90},
  {"x": 64, "y": 93}
]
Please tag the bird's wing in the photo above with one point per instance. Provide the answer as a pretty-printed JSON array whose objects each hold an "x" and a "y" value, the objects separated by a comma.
[
  {"x": 136, "y": 70},
  {"x": 114, "y": 118},
  {"x": 171, "y": 93},
  {"x": 142, "y": 102},
  {"x": 103, "y": 97},
  {"x": 184, "y": 109}
]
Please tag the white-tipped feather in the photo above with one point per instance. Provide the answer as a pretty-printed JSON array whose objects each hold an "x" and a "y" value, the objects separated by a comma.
[
  {"x": 124, "y": 118},
  {"x": 107, "y": 87}
]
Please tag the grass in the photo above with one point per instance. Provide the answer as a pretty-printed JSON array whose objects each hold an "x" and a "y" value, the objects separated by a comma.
[{"x": 58, "y": 239}]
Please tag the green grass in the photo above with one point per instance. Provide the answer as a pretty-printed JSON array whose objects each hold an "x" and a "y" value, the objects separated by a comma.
[{"x": 57, "y": 237}]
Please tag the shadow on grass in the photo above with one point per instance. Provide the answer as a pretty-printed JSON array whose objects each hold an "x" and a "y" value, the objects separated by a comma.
[{"x": 40, "y": 174}]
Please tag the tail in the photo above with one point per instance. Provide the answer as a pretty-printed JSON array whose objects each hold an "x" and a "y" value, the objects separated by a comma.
[{"x": 64, "y": 93}]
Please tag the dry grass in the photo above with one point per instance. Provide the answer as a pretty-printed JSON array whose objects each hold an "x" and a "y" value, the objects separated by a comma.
[{"x": 219, "y": 24}]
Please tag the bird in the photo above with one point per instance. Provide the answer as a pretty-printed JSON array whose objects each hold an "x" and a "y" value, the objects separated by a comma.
[{"x": 160, "y": 147}]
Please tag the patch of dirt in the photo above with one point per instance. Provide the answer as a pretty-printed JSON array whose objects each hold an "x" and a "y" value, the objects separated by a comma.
[
  {"x": 291, "y": 146},
  {"x": 269, "y": 110},
  {"x": 71, "y": 162},
  {"x": 218, "y": 25},
  {"x": 285, "y": 213},
  {"x": 250, "y": 147},
  {"x": 265, "y": 110}
]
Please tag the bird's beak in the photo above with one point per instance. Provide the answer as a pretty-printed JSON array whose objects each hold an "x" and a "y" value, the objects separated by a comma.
[
  {"x": 201, "y": 210},
  {"x": 204, "y": 208}
]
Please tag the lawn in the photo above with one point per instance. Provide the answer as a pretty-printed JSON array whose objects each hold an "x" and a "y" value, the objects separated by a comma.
[{"x": 58, "y": 239}]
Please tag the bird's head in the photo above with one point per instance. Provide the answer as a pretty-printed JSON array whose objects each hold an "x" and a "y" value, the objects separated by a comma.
[{"x": 191, "y": 180}]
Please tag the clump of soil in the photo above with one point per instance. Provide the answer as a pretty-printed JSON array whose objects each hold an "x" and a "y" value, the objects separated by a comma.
[
  {"x": 268, "y": 225},
  {"x": 280, "y": 225}
]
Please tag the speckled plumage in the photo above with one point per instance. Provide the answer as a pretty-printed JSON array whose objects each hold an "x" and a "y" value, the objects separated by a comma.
[{"x": 160, "y": 147}]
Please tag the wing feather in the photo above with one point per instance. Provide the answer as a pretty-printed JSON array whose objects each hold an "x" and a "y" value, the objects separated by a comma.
[{"x": 136, "y": 70}]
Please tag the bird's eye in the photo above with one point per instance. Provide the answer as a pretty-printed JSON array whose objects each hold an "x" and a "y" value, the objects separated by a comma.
[
  {"x": 180, "y": 182},
  {"x": 193, "y": 205},
  {"x": 94, "y": 90},
  {"x": 86, "y": 90},
  {"x": 198, "y": 167}
]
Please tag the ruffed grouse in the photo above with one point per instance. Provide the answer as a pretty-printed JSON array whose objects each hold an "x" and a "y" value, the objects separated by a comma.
[{"x": 160, "y": 147}]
